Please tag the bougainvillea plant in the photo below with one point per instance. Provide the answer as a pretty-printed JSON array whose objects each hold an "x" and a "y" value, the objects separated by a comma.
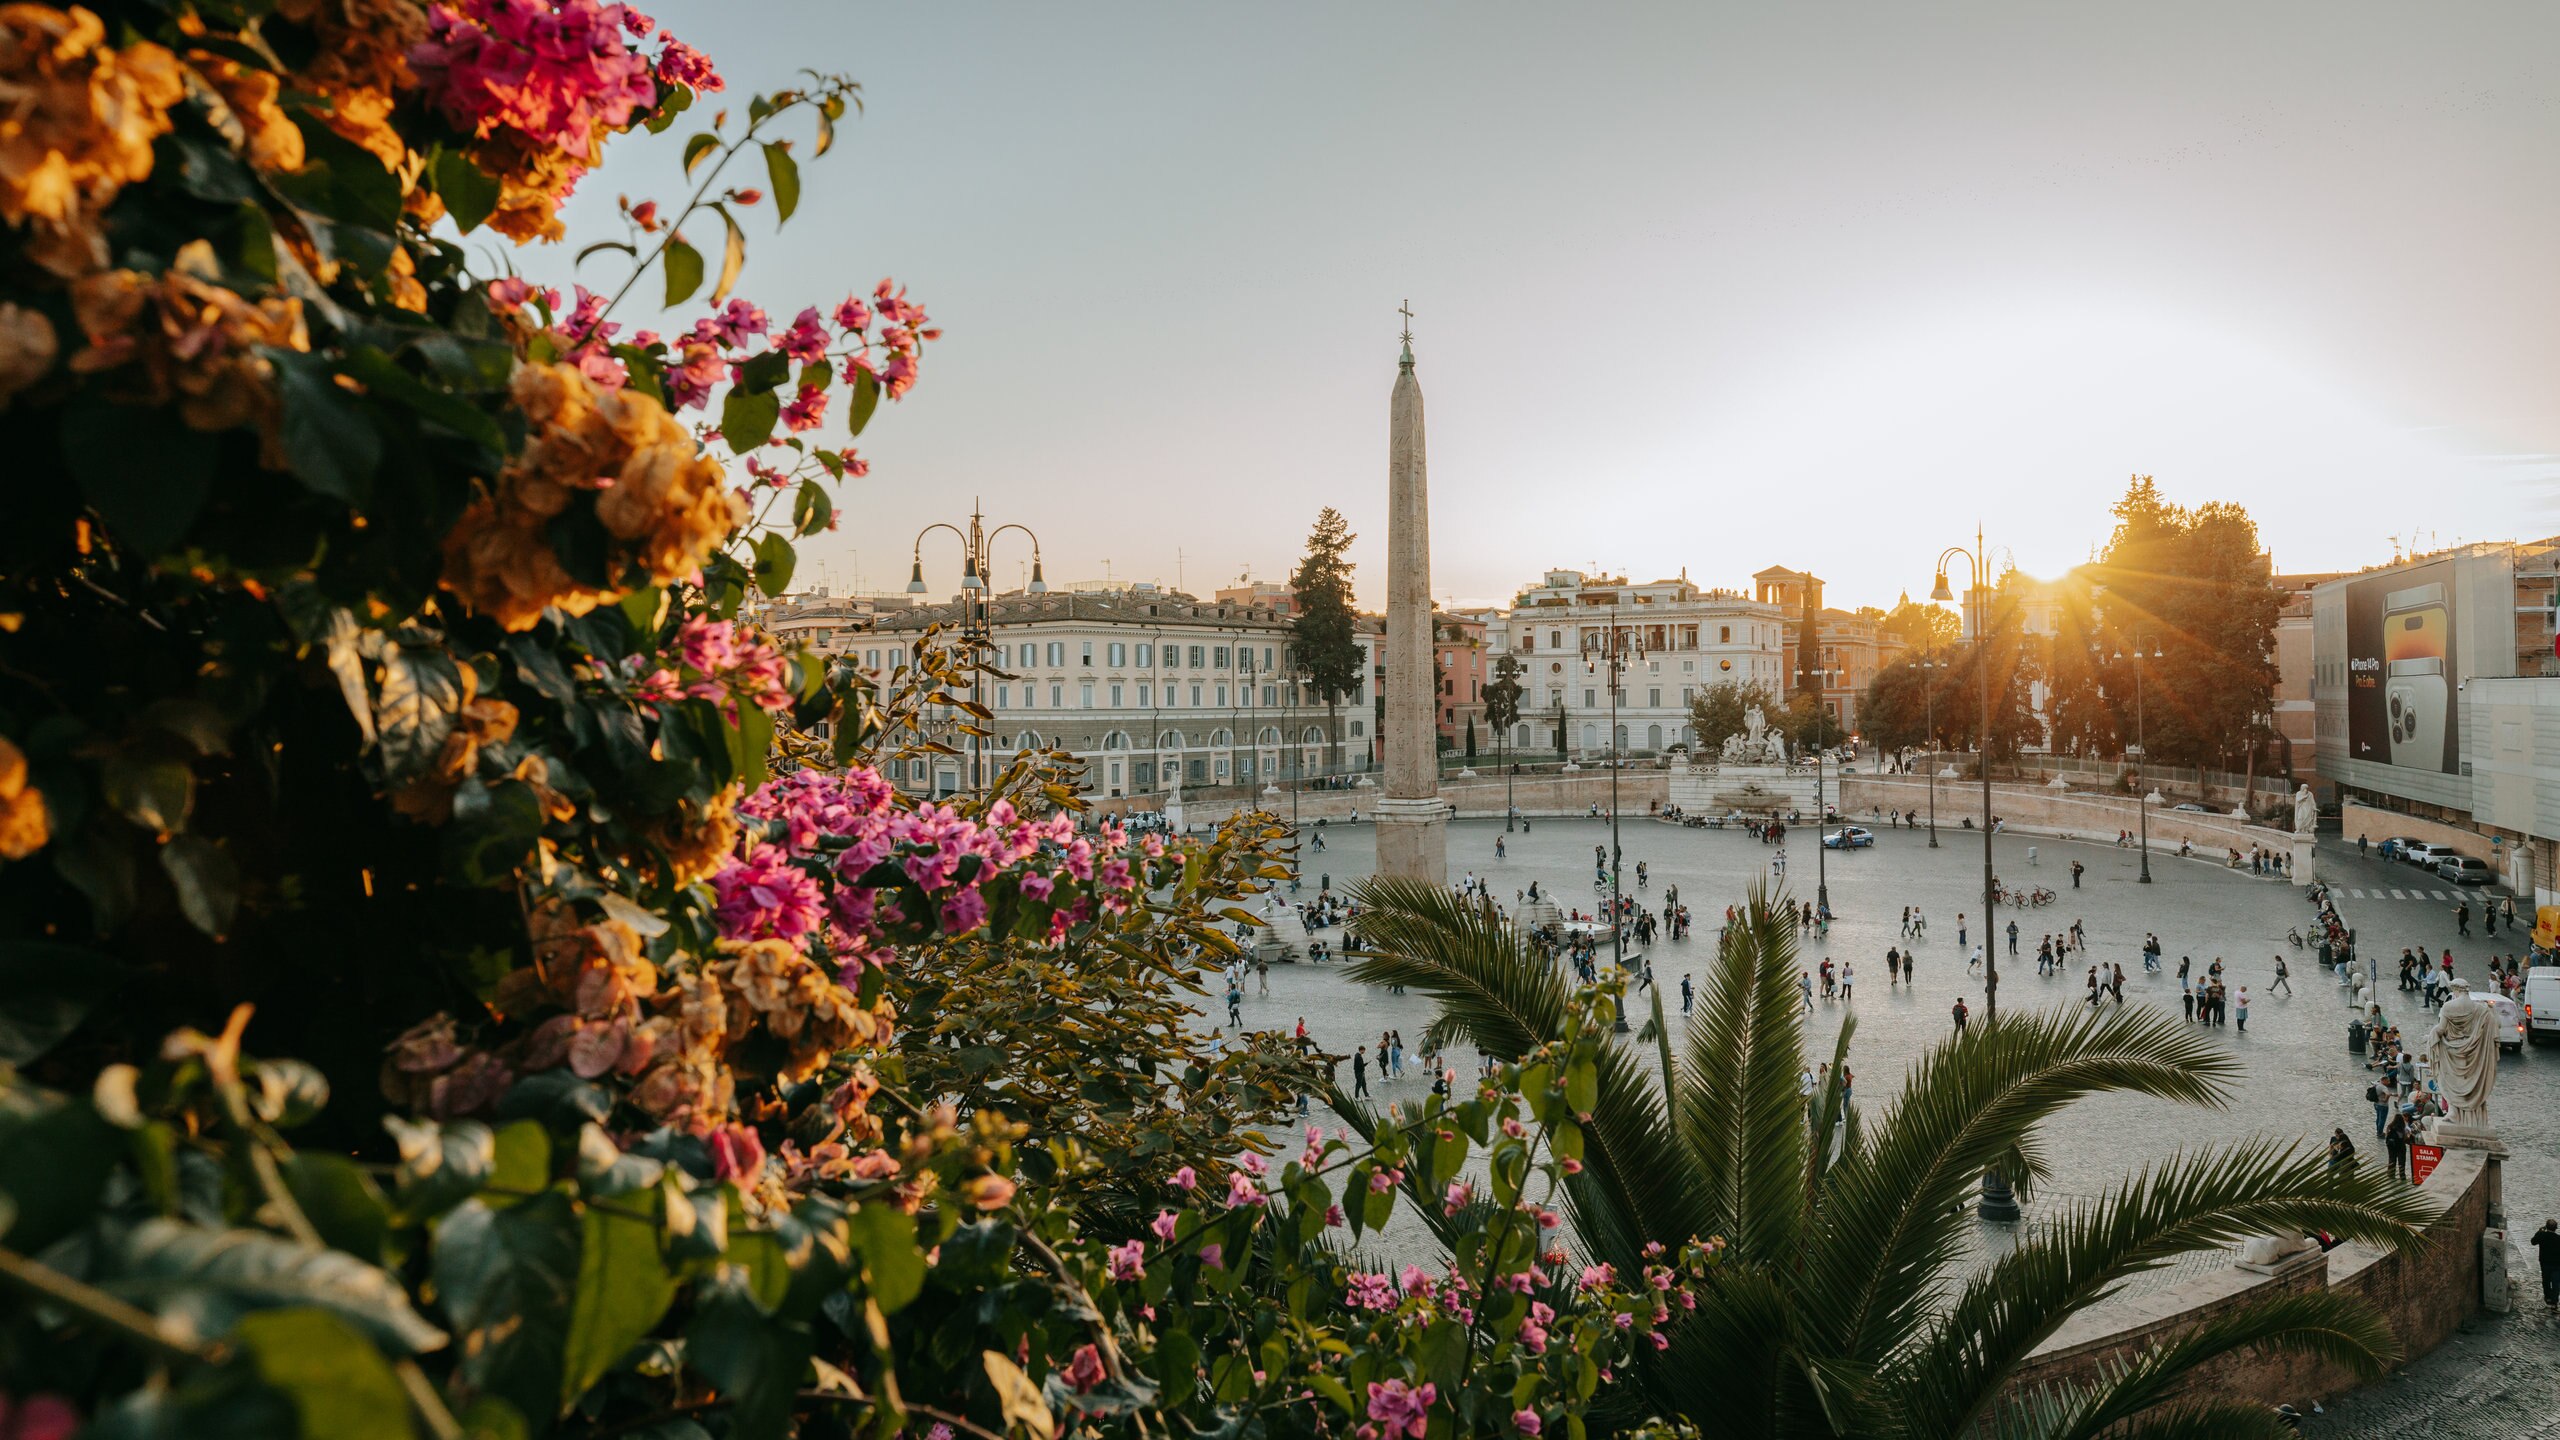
[{"x": 381, "y": 686}]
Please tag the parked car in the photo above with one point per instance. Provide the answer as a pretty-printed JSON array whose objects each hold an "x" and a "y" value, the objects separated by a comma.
[
  {"x": 2542, "y": 1002},
  {"x": 2423, "y": 854},
  {"x": 2465, "y": 870},
  {"x": 1849, "y": 837},
  {"x": 2190, "y": 807},
  {"x": 2511, "y": 1030}
]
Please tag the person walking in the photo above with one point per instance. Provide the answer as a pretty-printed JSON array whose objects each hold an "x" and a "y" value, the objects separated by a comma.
[
  {"x": 2076, "y": 869},
  {"x": 2395, "y": 1143},
  {"x": 2378, "y": 1095},
  {"x": 2093, "y": 987},
  {"x": 2013, "y": 939},
  {"x": 2284, "y": 979},
  {"x": 1959, "y": 929},
  {"x": 1359, "y": 1071},
  {"x": 1804, "y": 983},
  {"x": 1687, "y": 993},
  {"x": 2240, "y": 1010},
  {"x": 2546, "y": 1245},
  {"x": 1848, "y": 979},
  {"x": 1960, "y": 1013},
  {"x": 2462, "y": 919}
]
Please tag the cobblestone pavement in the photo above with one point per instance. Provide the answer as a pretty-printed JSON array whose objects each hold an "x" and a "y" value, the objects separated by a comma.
[{"x": 2297, "y": 1078}]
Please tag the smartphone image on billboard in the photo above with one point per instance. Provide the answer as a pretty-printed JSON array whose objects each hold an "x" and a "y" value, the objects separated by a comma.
[{"x": 2417, "y": 680}]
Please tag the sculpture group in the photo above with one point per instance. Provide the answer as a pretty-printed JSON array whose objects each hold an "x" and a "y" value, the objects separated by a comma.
[{"x": 1757, "y": 745}]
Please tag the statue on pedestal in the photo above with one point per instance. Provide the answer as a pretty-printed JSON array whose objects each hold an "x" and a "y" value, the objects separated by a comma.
[
  {"x": 2306, "y": 811},
  {"x": 2463, "y": 1052}
]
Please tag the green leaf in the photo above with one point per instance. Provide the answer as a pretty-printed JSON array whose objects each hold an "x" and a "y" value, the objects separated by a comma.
[
  {"x": 684, "y": 271},
  {"x": 505, "y": 1278},
  {"x": 51, "y": 989},
  {"x": 144, "y": 472},
  {"x": 157, "y": 795},
  {"x": 775, "y": 560},
  {"x": 469, "y": 193},
  {"x": 208, "y": 882},
  {"x": 733, "y": 255},
  {"x": 383, "y": 377},
  {"x": 753, "y": 1358},
  {"x": 747, "y": 418},
  {"x": 784, "y": 172},
  {"x": 166, "y": 1258},
  {"x": 892, "y": 1263},
  {"x": 811, "y": 509},
  {"x": 623, "y": 1291},
  {"x": 440, "y": 1166},
  {"x": 673, "y": 100},
  {"x": 765, "y": 371},
  {"x": 749, "y": 742},
  {"x": 55, "y": 1156},
  {"x": 522, "y": 1160},
  {"x": 421, "y": 690},
  {"x": 328, "y": 439},
  {"x": 339, "y": 1384},
  {"x": 697, "y": 149},
  {"x": 341, "y": 1201},
  {"x": 866, "y": 398}
]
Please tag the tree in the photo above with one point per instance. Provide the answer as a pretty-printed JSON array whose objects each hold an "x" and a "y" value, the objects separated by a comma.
[
  {"x": 1326, "y": 632},
  {"x": 1502, "y": 702},
  {"x": 1902, "y": 701},
  {"x": 2195, "y": 584},
  {"x": 1808, "y": 722},
  {"x": 1922, "y": 627},
  {"x": 1717, "y": 713},
  {"x": 1850, "y": 1301},
  {"x": 1471, "y": 737},
  {"x": 1809, "y": 674}
]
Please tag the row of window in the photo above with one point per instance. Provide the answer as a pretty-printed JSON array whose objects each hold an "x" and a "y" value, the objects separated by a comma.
[
  {"x": 1202, "y": 696},
  {"x": 1115, "y": 656}
]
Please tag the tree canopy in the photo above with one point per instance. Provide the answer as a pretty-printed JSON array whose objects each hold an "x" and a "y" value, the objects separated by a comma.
[{"x": 1325, "y": 634}]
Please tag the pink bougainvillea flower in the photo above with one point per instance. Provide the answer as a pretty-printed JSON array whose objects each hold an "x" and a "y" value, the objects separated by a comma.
[
  {"x": 1129, "y": 1262},
  {"x": 807, "y": 410},
  {"x": 737, "y": 1152},
  {"x": 1395, "y": 1407},
  {"x": 554, "y": 71},
  {"x": 1085, "y": 1371},
  {"x": 681, "y": 64},
  {"x": 1164, "y": 1225}
]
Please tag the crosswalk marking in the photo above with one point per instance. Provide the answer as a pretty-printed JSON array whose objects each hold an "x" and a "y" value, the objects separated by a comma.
[{"x": 2396, "y": 895}]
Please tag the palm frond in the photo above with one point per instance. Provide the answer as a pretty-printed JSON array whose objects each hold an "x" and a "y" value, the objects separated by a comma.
[
  {"x": 1636, "y": 1185},
  {"x": 1890, "y": 1223},
  {"x": 1739, "y": 1108},
  {"x": 2190, "y": 1202},
  {"x": 2338, "y": 1329}
]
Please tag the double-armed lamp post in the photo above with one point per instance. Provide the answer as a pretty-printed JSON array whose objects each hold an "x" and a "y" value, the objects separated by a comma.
[
  {"x": 1998, "y": 1203},
  {"x": 2143, "y": 648},
  {"x": 977, "y": 593}
]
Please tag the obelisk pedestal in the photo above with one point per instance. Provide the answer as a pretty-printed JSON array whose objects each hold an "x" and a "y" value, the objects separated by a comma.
[{"x": 1413, "y": 821}]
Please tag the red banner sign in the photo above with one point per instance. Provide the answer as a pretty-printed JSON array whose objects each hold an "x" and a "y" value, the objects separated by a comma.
[{"x": 2423, "y": 1160}]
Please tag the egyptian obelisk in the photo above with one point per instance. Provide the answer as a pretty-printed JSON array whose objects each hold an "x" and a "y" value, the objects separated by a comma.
[{"x": 1413, "y": 821}]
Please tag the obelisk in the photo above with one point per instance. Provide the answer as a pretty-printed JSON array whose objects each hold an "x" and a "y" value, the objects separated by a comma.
[{"x": 1413, "y": 821}]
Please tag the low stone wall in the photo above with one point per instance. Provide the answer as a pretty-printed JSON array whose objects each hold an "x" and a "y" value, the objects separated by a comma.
[
  {"x": 2423, "y": 1293},
  {"x": 2039, "y": 810},
  {"x": 2357, "y": 818},
  {"x": 1640, "y": 792}
]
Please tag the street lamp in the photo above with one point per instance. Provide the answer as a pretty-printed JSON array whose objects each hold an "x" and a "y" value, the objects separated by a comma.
[
  {"x": 1821, "y": 808},
  {"x": 1616, "y": 646},
  {"x": 2141, "y": 752},
  {"x": 1998, "y": 1203},
  {"x": 1929, "y": 703},
  {"x": 976, "y": 615}
]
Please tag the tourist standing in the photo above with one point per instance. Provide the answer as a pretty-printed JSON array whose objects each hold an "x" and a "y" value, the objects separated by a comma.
[
  {"x": 2546, "y": 1245},
  {"x": 2395, "y": 1141},
  {"x": 1960, "y": 1013}
]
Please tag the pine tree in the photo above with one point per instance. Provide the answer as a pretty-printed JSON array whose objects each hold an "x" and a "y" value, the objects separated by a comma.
[{"x": 1326, "y": 632}]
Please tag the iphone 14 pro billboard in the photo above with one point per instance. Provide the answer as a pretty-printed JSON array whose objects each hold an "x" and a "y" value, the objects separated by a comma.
[{"x": 2400, "y": 664}]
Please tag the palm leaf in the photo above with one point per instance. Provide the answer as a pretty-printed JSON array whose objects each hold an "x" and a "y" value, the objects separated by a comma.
[
  {"x": 1891, "y": 1221},
  {"x": 1740, "y": 1110},
  {"x": 1636, "y": 1185},
  {"x": 2191, "y": 1202}
]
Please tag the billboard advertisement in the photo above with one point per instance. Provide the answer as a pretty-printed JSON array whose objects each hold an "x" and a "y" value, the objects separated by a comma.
[{"x": 2401, "y": 685}]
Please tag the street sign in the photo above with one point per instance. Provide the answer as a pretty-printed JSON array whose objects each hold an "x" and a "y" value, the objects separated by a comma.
[{"x": 2423, "y": 1160}]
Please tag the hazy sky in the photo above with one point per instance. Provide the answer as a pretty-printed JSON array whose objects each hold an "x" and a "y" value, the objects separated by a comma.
[{"x": 1704, "y": 287}]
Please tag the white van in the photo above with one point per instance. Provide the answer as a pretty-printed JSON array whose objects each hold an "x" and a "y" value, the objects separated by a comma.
[{"x": 2542, "y": 1002}]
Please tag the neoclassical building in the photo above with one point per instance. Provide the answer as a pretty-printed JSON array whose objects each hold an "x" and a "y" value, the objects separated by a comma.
[
  {"x": 1687, "y": 638},
  {"x": 1143, "y": 685}
]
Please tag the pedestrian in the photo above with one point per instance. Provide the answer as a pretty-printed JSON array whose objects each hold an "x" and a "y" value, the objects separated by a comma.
[
  {"x": 2546, "y": 1245},
  {"x": 1359, "y": 1071},
  {"x": 2240, "y": 1010},
  {"x": 2076, "y": 868},
  {"x": 2462, "y": 918},
  {"x": 2342, "y": 1151},
  {"x": 1973, "y": 962},
  {"x": 1687, "y": 994},
  {"x": 2093, "y": 987},
  {"x": 1959, "y": 929},
  {"x": 1960, "y": 1013},
  {"x": 2186, "y": 998},
  {"x": 2395, "y": 1143},
  {"x": 2013, "y": 939},
  {"x": 1804, "y": 983},
  {"x": 2378, "y": 1095},
  {"x": 2284, "y": 979},
  {"x": 1848, "y": 978}
]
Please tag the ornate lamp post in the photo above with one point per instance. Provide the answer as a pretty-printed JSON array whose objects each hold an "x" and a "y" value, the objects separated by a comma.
[
  {"x": 976, "y": 594},
  {"x": 2141, "y": 802},
  {"x": 1998, "y": 1203},
  {"x": 1612, "y": 648}
]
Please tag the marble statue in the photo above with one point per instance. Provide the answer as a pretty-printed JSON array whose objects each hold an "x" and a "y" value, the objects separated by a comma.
[
  {"x": 1754, "y": 723},
  {"x": 2306, "y": 811},
  {"x": 2463, "y": 1051}
]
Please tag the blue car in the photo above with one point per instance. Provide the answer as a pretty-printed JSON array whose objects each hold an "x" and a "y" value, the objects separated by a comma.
[{"x": 1849, "y": 837}]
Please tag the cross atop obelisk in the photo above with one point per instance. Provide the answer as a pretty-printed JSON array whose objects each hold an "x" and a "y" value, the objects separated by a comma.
[{"x": 1405, "y": 365}]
